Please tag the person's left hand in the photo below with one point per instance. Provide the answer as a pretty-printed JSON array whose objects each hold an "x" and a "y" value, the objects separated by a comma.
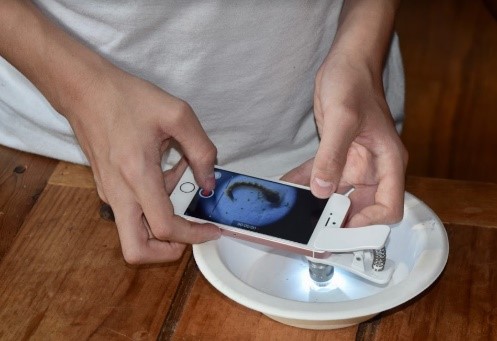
[{"x": 359, "y": 145}]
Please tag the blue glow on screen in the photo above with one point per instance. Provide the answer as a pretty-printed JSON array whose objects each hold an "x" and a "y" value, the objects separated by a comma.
[{"x": 259, "y": 205}]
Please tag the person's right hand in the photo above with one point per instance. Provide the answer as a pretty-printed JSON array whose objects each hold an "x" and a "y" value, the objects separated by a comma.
[{"x": 123, "y": 125}]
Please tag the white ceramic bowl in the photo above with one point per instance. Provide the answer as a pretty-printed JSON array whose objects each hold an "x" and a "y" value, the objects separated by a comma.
[{"x": 277, "y": 283}]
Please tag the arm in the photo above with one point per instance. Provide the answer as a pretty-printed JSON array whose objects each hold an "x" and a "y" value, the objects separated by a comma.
[
  {"x": 123, "y": 125},
  {"x": 359, "y": 146}
]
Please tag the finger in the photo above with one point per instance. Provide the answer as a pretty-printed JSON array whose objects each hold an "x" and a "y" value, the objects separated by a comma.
[
  {"x": 196, "y": 145},
  {"x": 360, "y": 198},
  {"x": 388, "y": 204},
  {"x": 136, "y": 245},
  {"x": 300, "y": 175},
  {"x": 139, "y": 247},
  {"x": 345, "y": 189},
  {"x": 173, "y": 175},
  {"x": 193, "y": 233},
  {"x": 337, "y": 134},
  {"x": 159, "y": 212}
]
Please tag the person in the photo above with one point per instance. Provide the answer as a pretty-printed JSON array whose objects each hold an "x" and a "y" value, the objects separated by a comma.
[{"x": 312, "y": 91}]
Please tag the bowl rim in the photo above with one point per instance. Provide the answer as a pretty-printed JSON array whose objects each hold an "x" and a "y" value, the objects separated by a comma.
[{"x": 426, "y": 270}]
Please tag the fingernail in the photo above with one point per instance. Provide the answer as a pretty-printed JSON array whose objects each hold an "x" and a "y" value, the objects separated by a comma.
[
  {"x": 324, "y": 188},
  {"x": 214, "y": 233},
  {"x": 323, "y": 184}
]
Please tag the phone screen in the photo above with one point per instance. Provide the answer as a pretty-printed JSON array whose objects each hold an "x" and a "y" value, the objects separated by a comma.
[{"x": 259, "y": 205}]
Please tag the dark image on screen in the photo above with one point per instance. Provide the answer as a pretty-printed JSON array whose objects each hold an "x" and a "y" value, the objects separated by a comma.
[{"x": 264, "y": 206}]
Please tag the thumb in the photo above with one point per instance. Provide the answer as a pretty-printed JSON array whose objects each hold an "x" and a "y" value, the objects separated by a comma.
[
  {"x": 331, "y": 158},
  {"x": 300, "y": 175}
]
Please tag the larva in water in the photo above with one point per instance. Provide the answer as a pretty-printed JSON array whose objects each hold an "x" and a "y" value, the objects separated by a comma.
[{"x": 271, "y": 196}]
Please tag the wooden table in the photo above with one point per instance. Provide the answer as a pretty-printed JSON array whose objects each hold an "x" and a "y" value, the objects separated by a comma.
[{"x": 62, "y": 276}]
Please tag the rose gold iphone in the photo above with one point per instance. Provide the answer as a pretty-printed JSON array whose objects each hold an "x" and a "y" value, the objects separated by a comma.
[{"x": 274, "y": 213}]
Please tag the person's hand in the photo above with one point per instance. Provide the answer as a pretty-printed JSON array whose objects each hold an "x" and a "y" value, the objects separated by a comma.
[
  {"x": 359, "y": 145},
  {"x": 124, "y": 125}
]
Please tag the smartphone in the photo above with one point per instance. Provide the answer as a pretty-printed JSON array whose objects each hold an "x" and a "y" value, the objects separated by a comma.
[{"x": 274, "y": 213}]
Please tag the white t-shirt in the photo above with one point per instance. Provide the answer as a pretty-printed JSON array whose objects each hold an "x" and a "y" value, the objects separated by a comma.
[{"x": 247, "y": 68}]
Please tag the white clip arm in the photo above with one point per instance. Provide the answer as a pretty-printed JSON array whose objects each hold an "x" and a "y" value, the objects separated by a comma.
[
  {"x": 347, "y": 246},
  {"x": 371, "y": 237}
]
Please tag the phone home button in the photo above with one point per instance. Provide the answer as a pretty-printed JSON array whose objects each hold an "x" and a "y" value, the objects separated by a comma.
[{"x": 187, "y": 187}]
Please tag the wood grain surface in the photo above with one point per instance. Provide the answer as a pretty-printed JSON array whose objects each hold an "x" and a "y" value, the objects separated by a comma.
[
  {"x": 460, "y": 305},
  {"x": 450, "y": 57},
  {"x": 22, "y": 179},
  {"x": 70, "y": 174},
  {"x": 458, "y": 202},
  {"x": 64, "y": 276}
]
